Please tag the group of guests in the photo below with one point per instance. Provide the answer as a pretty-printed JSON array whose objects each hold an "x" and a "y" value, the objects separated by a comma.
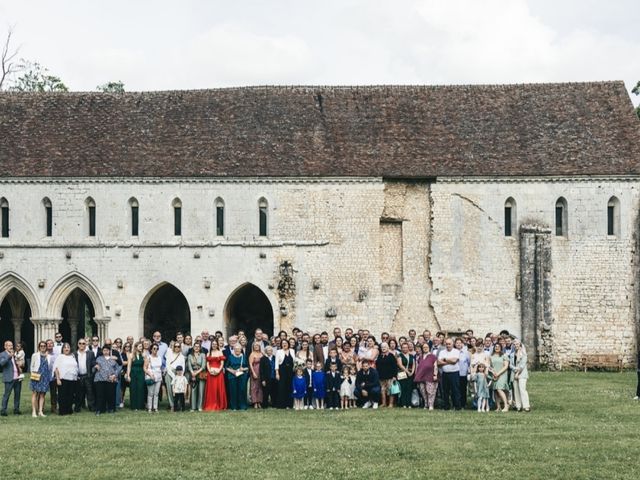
[{"x": 297, "y": 370}]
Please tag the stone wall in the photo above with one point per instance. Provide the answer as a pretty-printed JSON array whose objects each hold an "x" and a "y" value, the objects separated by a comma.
[
  {"x": 475, "y": 268},
  {"x": 364, "y": 252}
]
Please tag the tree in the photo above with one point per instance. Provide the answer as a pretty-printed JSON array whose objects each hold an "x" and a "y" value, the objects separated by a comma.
[
  {"x": 636, "y": 90},
  {"x": 36, "y": 78},
  {"x": 111, "y": 87},
  {"x": 8, "y": 66}
]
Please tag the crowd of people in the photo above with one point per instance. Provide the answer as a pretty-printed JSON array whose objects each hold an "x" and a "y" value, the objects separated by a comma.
[{"x": 297, "y": 370}]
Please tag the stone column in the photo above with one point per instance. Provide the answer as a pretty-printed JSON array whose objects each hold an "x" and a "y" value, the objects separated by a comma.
[
  {"x": 45, "y": 328},
  {"x": 17, "y": 329},
  {"x": 535, "y": 288},
  {"x": 103, "y": 327}
]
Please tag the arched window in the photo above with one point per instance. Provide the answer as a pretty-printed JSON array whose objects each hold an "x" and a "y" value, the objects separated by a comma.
[
  {"x": 177, "y": 216},
  {"x": 133, "y": 204},
  {"x": 4, "y": 205},
  {"x": 263, "y": 208},
  {"x": 48, "y": 212},
  {"x": 613, "y": 217},
  {"x": 219, "y": 217},
  {"x": 510, "y": 217},
  {"x": 91, "y": 212},
  {"x": 562, "y": 218}
]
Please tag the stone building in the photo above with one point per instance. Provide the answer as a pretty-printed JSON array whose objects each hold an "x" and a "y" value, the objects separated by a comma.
[{"x": 443, "y": 208}]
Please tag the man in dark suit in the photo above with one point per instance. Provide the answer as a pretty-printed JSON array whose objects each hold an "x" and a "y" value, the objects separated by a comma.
[
  {"x": 268, "y": 380},
  {"x": 367, "y": 386},
  {"x": 333, "y": 381},
  {"x": 11, "y": 379},
  {"x": 84, "y": 386},
  {"x": 308, "y": 379}
]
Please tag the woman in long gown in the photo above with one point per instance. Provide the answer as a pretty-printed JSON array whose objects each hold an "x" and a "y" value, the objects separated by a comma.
[
  {"x": 215, "y": 396},
  {"x": 135, "y": 376},
  {"x": 284, "y": 375},
  {"x": 255, "y": 390}
]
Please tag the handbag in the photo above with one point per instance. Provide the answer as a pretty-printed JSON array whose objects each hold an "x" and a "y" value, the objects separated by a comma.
[
  {"x": 35, "y": 377},
  {"x": 149, "y": 380},
  {"x": 202, "y": 375},
  {"x": 401, "y": 376},
  {"x": 394, "y": 389}
]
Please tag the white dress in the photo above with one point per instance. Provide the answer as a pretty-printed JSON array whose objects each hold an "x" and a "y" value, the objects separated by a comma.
[{"x": 347, "y": 389}]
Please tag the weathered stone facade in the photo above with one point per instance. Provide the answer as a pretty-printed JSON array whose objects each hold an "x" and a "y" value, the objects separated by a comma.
[{"x": 360, "y": 252}]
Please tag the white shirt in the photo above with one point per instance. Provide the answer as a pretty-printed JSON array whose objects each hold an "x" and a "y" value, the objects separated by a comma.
[
  {"x": 172, "y": 360},
  {"x": 155, "y": 365},
  {"x": 82, "y": 362},
  {"x": 57, "y": 348},
  {"x": 179, "y": 384},
  {"x": 67, "y": 367},
  {"x": 445, "y": 354}
]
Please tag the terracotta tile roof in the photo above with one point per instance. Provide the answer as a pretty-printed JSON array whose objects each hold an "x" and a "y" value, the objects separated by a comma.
[{"x": 393, "y": 131}]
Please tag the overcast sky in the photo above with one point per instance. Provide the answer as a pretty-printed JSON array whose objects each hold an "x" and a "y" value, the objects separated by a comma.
[{"x": 158, "y": 44}]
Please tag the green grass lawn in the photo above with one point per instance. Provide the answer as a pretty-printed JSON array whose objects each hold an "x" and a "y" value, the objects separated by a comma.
[{"x": 581, "y": 426}]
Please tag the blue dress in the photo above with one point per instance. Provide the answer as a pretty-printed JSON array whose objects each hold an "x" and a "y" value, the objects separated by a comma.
[
  {"x": 319, "y": 386},
  {"x": 42, "y": 385},
  {"x": 299, "y": 387}
]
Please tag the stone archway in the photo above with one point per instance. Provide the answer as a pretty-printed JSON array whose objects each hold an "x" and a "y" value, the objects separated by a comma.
[
  {"x": 248, "y": 308},
  {"x": 78, "y": 318},
  {"x": 18, "y": 304},
  {"x": 166, "y": 310}
]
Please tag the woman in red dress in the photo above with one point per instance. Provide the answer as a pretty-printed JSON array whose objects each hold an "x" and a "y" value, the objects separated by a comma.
[{"x": 215, "y": 397}]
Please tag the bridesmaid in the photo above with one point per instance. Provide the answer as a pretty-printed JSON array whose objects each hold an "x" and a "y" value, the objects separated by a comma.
[
  {"x": 215, "y": 396},
  {"x": 255, "y": 391},
  {"x": 135, "y": 377}
]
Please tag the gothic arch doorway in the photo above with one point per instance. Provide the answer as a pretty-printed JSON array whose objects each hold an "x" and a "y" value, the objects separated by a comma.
[
  {"x": 78, "y": 315},
  {"x": 248, "y": 308},
  {"x": 15, "y": 323},
  {"x": 166, "y": 310}
]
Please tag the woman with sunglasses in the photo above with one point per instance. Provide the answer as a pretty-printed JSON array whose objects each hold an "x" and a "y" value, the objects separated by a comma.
[{"x": 153, "y": 378}]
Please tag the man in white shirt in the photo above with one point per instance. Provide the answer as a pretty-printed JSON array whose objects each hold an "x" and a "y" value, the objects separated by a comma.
[
  {"x": 206, "y": 343},
  {"x": 57, "y": 346},
  {"x": 448, "y": 360}
]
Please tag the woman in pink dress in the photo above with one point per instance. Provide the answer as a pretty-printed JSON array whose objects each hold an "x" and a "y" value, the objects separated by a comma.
[
  {"x": 215, "y": 396},
  {"x": 255, "y": 386}
]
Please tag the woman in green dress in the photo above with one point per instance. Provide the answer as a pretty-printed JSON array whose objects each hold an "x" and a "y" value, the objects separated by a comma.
[
  {"x": 500, "y": 385},
  {"x": 135, "y": 375}
]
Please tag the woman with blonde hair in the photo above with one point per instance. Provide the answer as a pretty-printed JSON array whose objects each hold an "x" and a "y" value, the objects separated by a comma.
[
  {"x": 255, "y": 385},
  {"x": 520, "y": 377}
]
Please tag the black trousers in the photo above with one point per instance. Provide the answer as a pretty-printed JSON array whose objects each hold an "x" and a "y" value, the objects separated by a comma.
[
  {"x": 178, "y": 402},
  {"x": 451, "y": 390},
  {"x": 105, "y": 397},
  {"x": 66, "y": 393},
  {"x": 53, "y": 391},
  {"x": 638, "y": 387},
  {"x": 333, "y": 399},
  {"x": 269, "y": 393},
  {"x": 84, "y": 391},
  {"x": 308, "y": 397},
  {"x": 463, "y": 391}
]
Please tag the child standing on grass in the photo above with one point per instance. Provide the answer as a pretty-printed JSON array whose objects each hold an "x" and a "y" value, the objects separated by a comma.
[
  {"x": 319, "y": 388},
  {"x": 333, "y": 381},
  {"x": 179, "y": 386},
  {"x": 299, "y": 389},
  {"x": 346, "y": 388},
  {"x": 482, "y": 387}
]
